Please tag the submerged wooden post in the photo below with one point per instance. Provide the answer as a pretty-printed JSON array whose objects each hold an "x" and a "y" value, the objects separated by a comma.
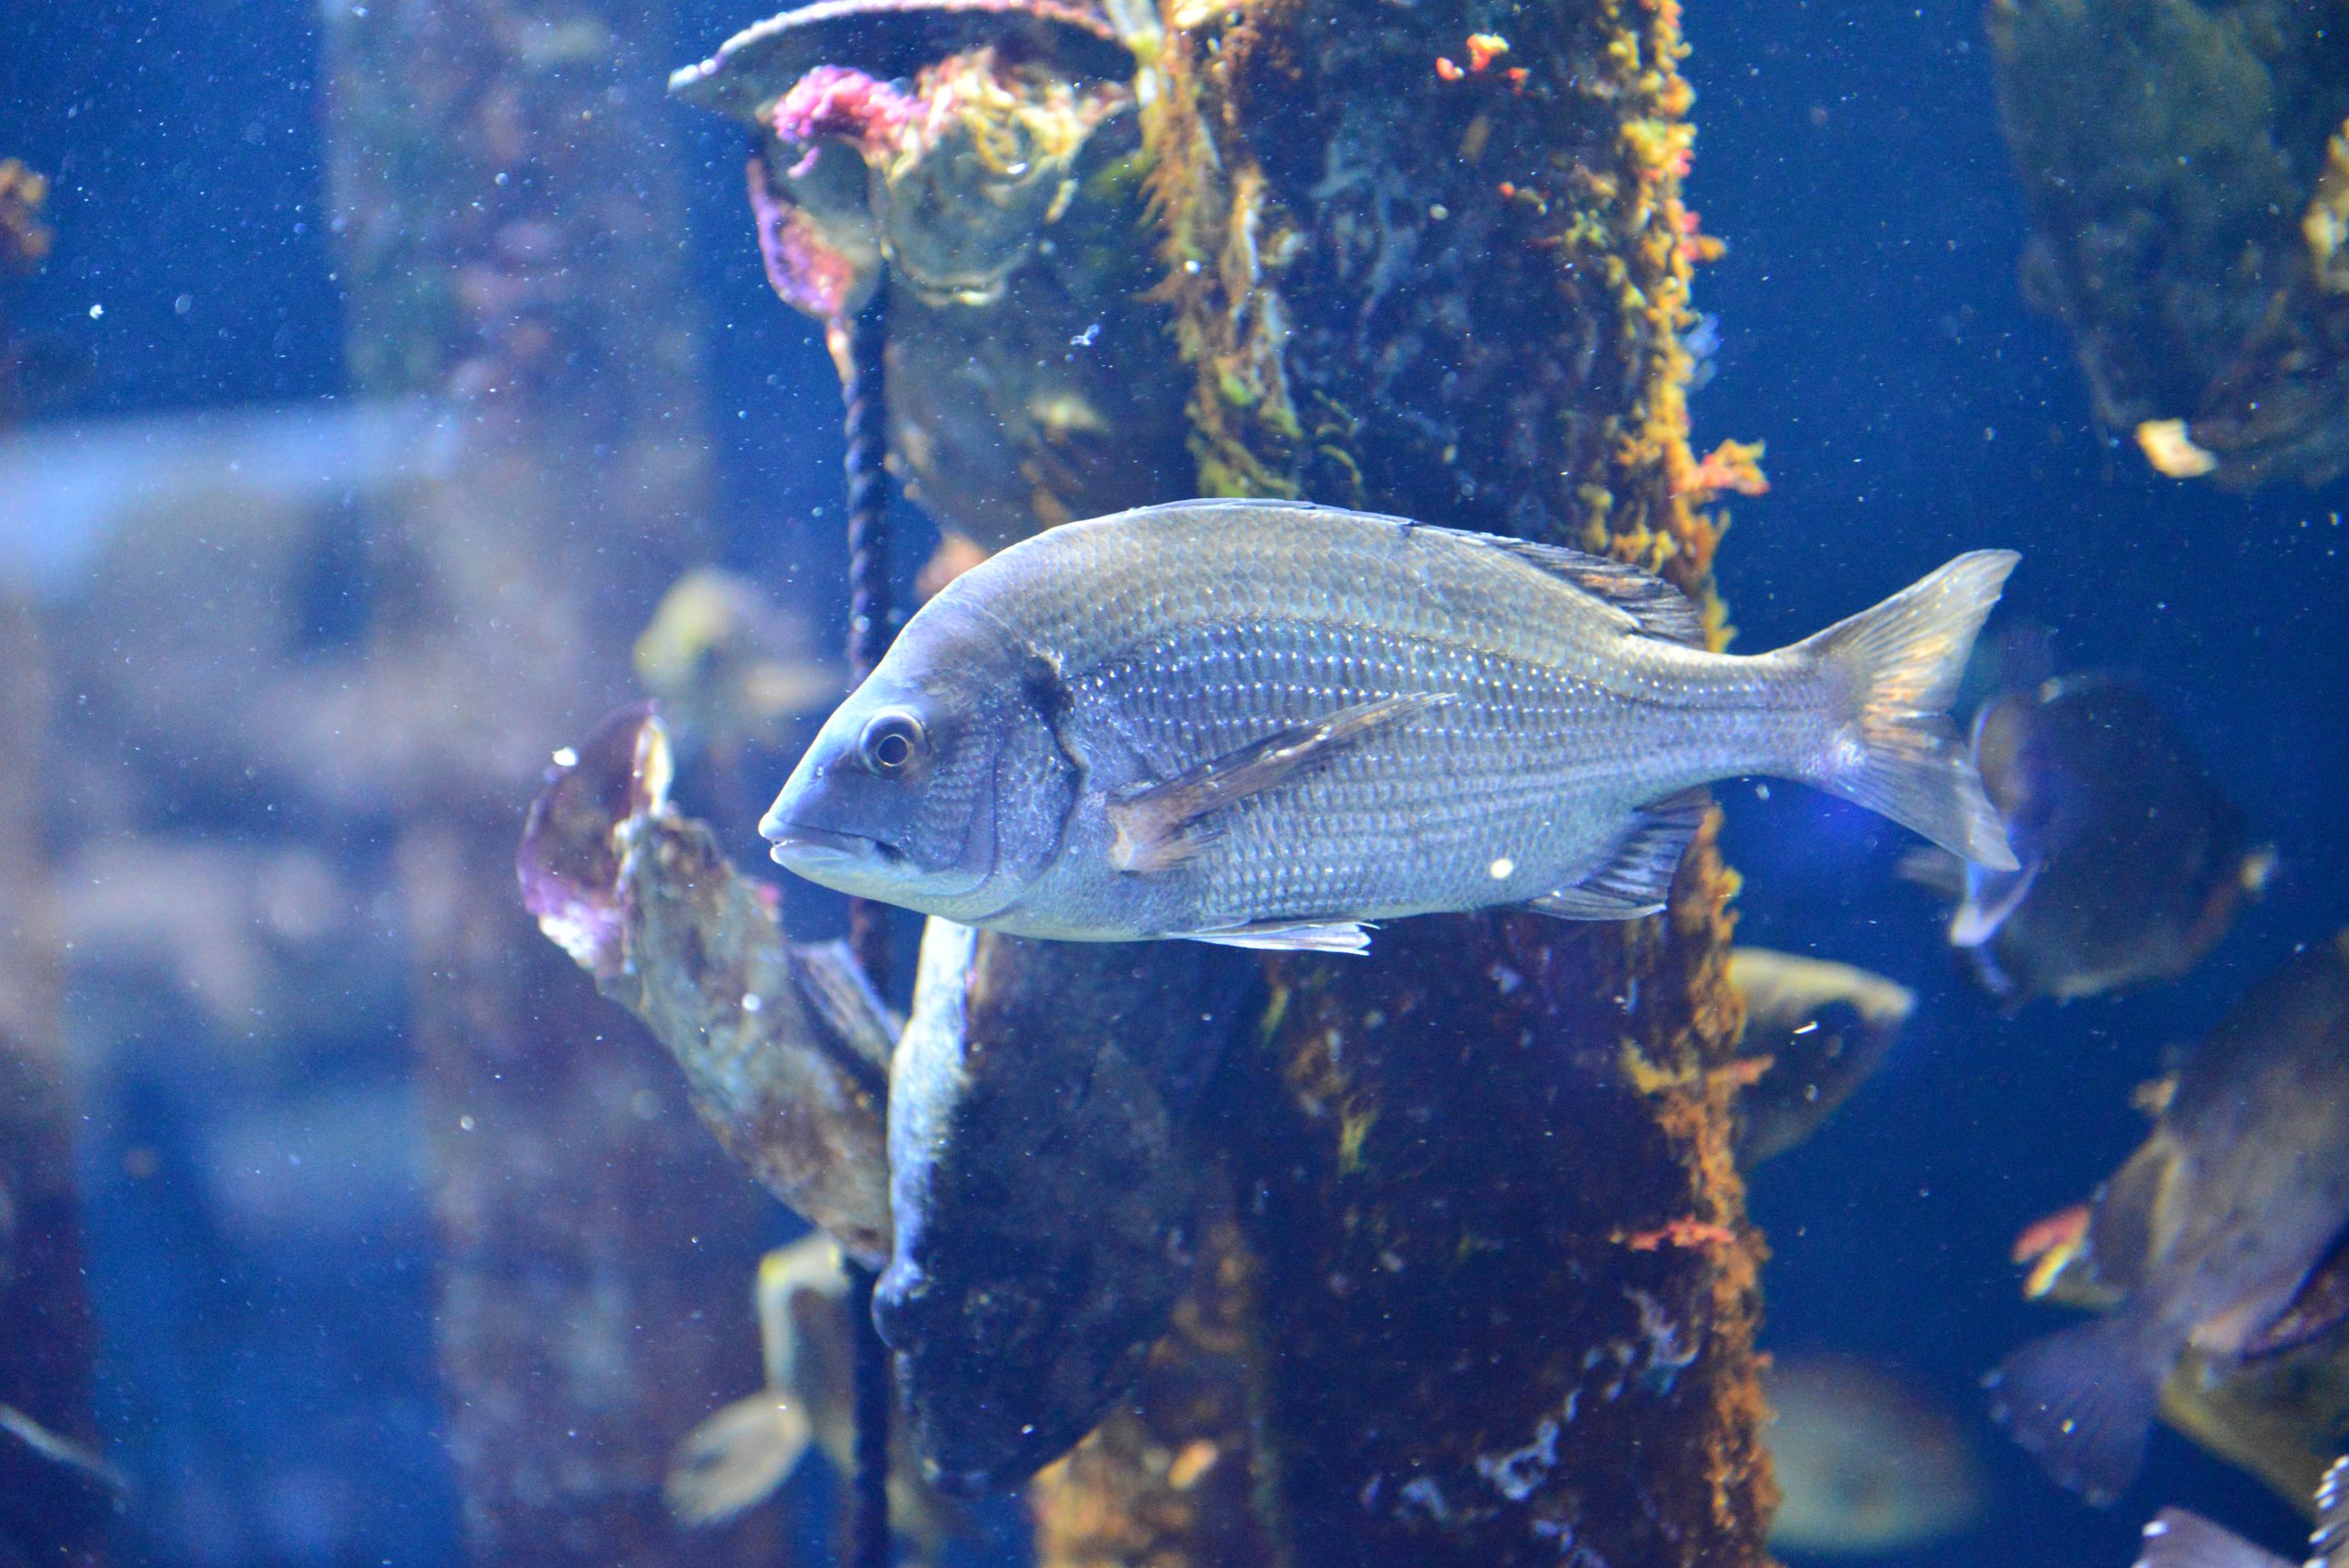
[
  {"x": 1478, "y": 1288},
  {"x": 507, "y": 221},
  {"x": 1499, "y": 1285}
]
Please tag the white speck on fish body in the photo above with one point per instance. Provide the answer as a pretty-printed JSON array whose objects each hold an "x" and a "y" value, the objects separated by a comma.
[
  {"x": 1502, "y": 869},
  {"x": 1515, "y": 1474},
  {"x": 753, "y": 1002},
  {"x": 1504, "y": 979},
  {"x": 565, "y": 757}
]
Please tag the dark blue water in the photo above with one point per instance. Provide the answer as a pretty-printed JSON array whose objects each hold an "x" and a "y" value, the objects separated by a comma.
[{"x": 274, "y": 1396}]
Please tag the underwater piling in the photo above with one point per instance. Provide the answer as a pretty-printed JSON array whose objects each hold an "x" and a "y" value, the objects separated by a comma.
[
  {"x": 507, "y": 214},
  {"x": 1501, "y": 1290},
  {"x": 49, "y": 1513},
  {"x": 1470, "y": 1279}
]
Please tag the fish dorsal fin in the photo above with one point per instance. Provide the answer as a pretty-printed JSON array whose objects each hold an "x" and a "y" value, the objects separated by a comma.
[
  {"x": 2179, "y": 1538},
  {"x": 1656, "y": 607},
  {"x": 1163, "y": 825},
  {"x": 1636, "y": 879}
]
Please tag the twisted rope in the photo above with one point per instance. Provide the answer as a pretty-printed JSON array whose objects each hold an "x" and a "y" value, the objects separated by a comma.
[{"x": 864, "y": 420}]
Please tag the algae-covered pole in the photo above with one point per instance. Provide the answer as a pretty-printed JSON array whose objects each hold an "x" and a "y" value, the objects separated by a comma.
[
  {"x": 1478, "y": 1288},
  {"x": 508, "y": 218},
  {"x": 1504, "y": 1284}
]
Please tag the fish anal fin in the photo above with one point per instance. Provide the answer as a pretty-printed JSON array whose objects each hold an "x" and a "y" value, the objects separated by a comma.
[
  {"x": 1636, "y": 878},
  {"x": 1296, "y": 936},
  {"x": 1159, "y": 826}
]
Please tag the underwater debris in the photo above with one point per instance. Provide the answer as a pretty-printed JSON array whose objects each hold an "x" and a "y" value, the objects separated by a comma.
[
  {"x": 2208, "y": 1234},
  {"x": 2178, "y": 157},
  {"x": 1864, "y": 1464},
  {"x": 1817, "y": 1030},
  {"x": 985, "y": 155},
  {"x": 1044, "y": 1182},
  {"x": 783, "y": 1046},
  {"x": 1145, "y": 769},
  {"x": 2134, "y": 860}
]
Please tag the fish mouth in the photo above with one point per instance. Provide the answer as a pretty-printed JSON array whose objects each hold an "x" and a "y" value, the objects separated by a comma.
[{"x": 800, "y": 844}]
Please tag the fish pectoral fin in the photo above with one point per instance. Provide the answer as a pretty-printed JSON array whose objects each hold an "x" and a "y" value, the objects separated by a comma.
[
  {"x": 1636, "y": 878},
  {"x": 1161, "y": 826},
  {"x": 1303, "y": 936},
  {"x": 835, "y": 986},
  {"x": 1991, "y": 898}
]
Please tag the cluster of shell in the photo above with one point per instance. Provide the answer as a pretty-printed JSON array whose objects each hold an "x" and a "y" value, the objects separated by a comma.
[{"x": 981, "y": 159}]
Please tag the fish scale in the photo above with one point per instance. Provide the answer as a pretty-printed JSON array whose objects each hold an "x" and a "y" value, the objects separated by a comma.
[{"x": 1267, "y": 722}]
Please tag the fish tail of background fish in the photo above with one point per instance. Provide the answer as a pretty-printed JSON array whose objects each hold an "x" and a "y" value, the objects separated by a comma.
[
  {"x": 1891, "y": 675},
  {"x": 2178, "y": 1537},
  {"x": 2081, "y": 1402}
]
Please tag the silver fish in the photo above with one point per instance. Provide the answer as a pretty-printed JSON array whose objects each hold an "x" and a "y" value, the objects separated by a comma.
[
  {"x": 1263, "y": 724},
  {"x": 2179, "y": 1538}
]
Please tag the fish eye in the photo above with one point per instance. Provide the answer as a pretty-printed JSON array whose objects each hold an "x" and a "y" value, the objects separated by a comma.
[{"x": 892, "y": 740}]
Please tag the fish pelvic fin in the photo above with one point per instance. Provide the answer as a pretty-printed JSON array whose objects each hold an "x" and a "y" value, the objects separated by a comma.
[
  {"x": 735, "y": 1459},
  {"x": 1892, "y": 748},
  {"x": 1636, "y": 879},
  {"x": 2179, "y": 1538},
  {"x": 1162, "y": 825},
  {"x": 2082, "y": 1401}
]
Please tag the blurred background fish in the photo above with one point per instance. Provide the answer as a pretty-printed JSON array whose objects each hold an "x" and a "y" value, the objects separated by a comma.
[
  {"x": 2134, "y": 861},
  {"x": 745, "y": 1452},
  {"x": 1821, "y": 1027},
  {"x": 2208, "y": 1233},
  {"x": 1865, "y": 1463}
]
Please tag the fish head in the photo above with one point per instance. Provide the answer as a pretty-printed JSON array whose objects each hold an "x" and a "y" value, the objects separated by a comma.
[{"x": 941, "y": 783}]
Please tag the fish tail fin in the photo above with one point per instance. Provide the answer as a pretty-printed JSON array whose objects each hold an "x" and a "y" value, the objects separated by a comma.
[
  {"x": 1890, "y": 744},
  {"x": 2081, "y": 1402},
  {"x": 736, "y": 1458}
]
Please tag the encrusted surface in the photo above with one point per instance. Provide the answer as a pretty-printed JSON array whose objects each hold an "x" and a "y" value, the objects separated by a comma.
[
  {"x": 1439, "y": 266},
  {"x": 2175, "y": 154}
]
